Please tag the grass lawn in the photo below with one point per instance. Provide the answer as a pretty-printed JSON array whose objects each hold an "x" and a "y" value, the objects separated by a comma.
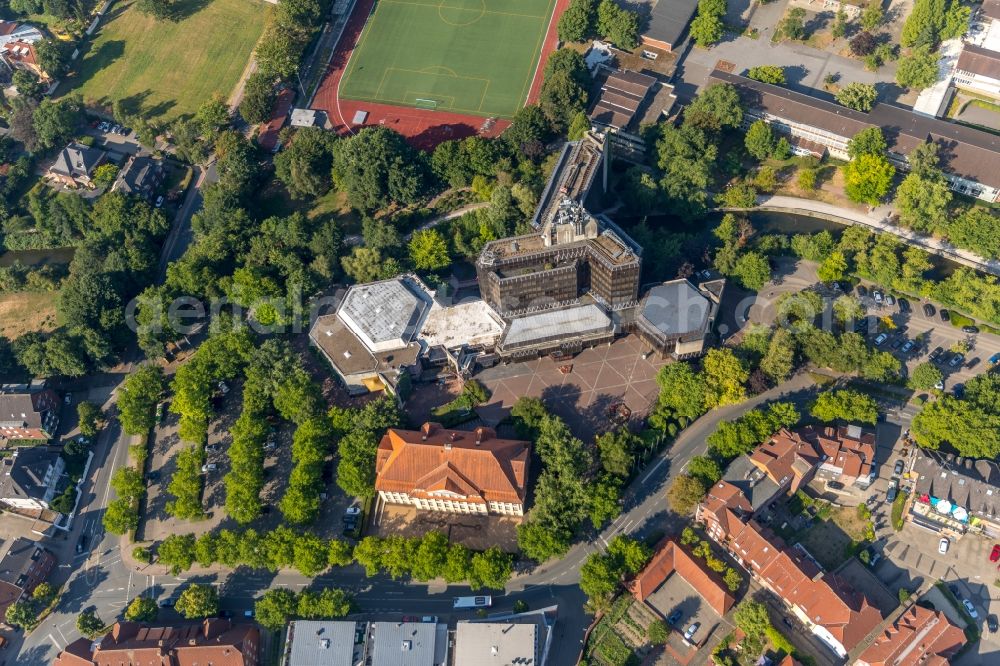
[
  {"x": 833, "y": 540},
  {"x": 467, "y": 56},
  {"x": 168, "y": 69},
  {"x": 25, "y": 311}
]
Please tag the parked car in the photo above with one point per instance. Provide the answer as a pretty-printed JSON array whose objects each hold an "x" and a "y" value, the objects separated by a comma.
[
  {"x": 877, "y": 295},
  {"x": 81, "y": 544},
  {"x": 212, "y": 447},
  {"x": 928, "y": 310},
  {"x": 956, "y": 360},
  {"x": 897, "y": 469},
  {"x": 834, "y": 485},
  {"x": 161, "y": 411},
  {"x": 995, "y": 359},
  {"x": 991, "y": 622},
  {"x": 958, "y": 390},
  {"x": 674, "y": 617},
  {"x": 904, "y": 305},
  {"x": 890, "y": 300},
  {"x": 787, "y": 622},
  {"x": 165, "y": 603},
  {"x": 972, "y": 609},
  {"x": 897, "y": 343},
  {"x": 159, "y": 201},
  {"x": 862, "y": 290},
  {"x": 943, "y": 545},
  {"x": 995, "y": 553},
  {"x": 945, "y": 315},
  {"x": 939, "y": 385},
  {"x": 353, "y": 511},
  {"x": 890, "y": 493},
  {"x": 209, "y": 467},
  {"x": 881, "y": 338},
  {"x": 970, "y": 329},
  {"x": 152, "y": 476},
  {"x": 691, "y": 631},
  {"x": 936, "y": 354},
  {"x": 908, "y": 346},
  {"x": 432, "y": 619}
]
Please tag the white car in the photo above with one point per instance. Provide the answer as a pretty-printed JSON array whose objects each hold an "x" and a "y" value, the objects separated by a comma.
[
  {"x": 943, "y": 545},
  {"x": 972, "y": 609},
  {"x": 691, "y": 631},
  {"x": 209, "y": 467}
]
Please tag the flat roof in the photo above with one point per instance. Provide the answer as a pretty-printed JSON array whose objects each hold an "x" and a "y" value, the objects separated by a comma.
[
  {"x": 316, "y": 643},
  {"x": 471, "y": 323},
  {"x": 408, "y": 644},
  {"x": 386, "y": 314},
  {"x": 669, "y": 19},
  {"x": 675, "y": 308},
  {"x": 496, "y": 644},
  {"x": 580, "y": 320},
  {"x": 622, "y": 92}
]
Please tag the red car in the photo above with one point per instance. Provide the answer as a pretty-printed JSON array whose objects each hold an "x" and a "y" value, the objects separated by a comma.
[{"x": 995, "y": 554}]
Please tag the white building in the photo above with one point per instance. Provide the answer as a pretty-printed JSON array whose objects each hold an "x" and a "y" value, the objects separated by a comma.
[{"x": 978, "y": 71}]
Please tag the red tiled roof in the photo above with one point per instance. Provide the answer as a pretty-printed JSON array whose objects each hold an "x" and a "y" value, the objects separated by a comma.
[
  {"x": 475, "y": 465},
  {"x": 750, "y": 545},
  {"x": 852, "y": 456},
  {"x": 214, "y": 641},
  {"x": 786, "y": 456},
  {"x": 268, "y": 138},
  {"x": 672, "y": 558},
  {"x": 919, "y": 636}
]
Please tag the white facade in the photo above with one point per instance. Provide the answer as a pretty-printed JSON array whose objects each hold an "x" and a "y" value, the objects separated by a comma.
[
  {"x": 984, "y": 85},
  {"x": 448, "y": 502}
]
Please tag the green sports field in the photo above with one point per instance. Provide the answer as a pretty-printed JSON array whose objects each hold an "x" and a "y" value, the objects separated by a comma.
[{"x": 465, "y": 56}]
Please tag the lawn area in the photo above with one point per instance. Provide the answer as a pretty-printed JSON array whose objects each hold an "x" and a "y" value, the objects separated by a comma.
[
  {"x": 834, "y": 538},
  {"x": 169, "y": 69},
  {"x": 467, "y": 56},
  {"x": 25, "y": 311}
]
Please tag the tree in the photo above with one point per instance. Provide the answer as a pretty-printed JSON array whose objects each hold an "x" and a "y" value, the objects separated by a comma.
[
  {"x": 490, "y": 568},
  {"x": 56, "y": 122},
  {"x": 89, "y": 418},
  {"x": 258, "y": 98},
  {"x": 923, "y": 201},
  {"x": 275, "y": 608},
  {"x": 707, "y": 27},
  {"x": 863, "y": 44},
  {"x": 846, "y": 405},
  {"x": 752, "y": 270},
  {"x": 177, "y": 552},
  {"x": 198, "y": 601},
  {"x": 27, "y": 84},
  {"x": 918, "y": 70},
  {"x": 869, "y": 141},
  {"x": 128, "y": 483},
  {"x": 142, "y": 609},
  {"x": 858, "y": 96},
  {"x": 977, "y": 229},
  {"x": 158, "y": 9},
  {"x": 807, "y": 179},
  {"x": 619, "y": 26},
  {"x": 868, "y": 178},
  {"x": 751, "y": 616},
  {"x": 925, "y": 376},
  {"x": 683, "y": 392},
  {"x": 847, "y": 308},
  {"x": 839, "y": 28},
  {"x": 779, "y": 361},
  {"x": 686, "y": 157},
  {"x": 715, "y": 108},
  {"x": 768, "y": 74},
  {"x": 657, "y": 632},
  {"x": 89, "y": 625},
  {"x": 759, "y": 140},
  {"x": 872, "y": 16},
  {"x": 304, "y": 164},
  {"x": 137, "y": 401},
  {"x": 577, "y": 22},
  {"x": 561, "y": 98},
  {"x": 732, "y": 579},
  {"x": 120, "y": 517},
  {"x": 725, "y": 378},
  {"x": 429, "y": 250},
  {"x": 53, "y": 57},
  {"x": 833, "y": 269},
  {"x": 793, "y": 25},
  {"x": 578, "y": 127},
  {"x": 705, "y": 469},
  {"x": 376, "y": 167},
  {"x": 685, "y": 492},
  {"x": 617, "y": 451}
]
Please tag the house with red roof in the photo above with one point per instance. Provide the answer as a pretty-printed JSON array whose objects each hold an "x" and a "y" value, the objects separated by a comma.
[
  {"x": 454, "y": 471},
  {"x": 918, "y": 637},
  {"x": 672, "y": 558}
]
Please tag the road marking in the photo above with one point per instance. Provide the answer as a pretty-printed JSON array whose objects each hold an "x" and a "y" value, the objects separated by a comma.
[
  {"x": 55, "y": 642},
  {"x": 650, "y": 472}
]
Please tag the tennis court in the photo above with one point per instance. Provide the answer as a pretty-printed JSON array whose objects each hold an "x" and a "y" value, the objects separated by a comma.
[{"x": 468, "y": 56}]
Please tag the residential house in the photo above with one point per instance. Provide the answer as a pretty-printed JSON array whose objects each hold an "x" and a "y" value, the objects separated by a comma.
[
  {"x": 667, "y": 23},
  {"x": 141, "y": 176},
  {"x": 498, "y": 643},
  {"x": 31, "y": 478},
  {"x": 323, "y": 643},
  {"x": 918, "y": 637},
  {"x": 454, "y": 471},
  {"x": 18, "y": 54},
  {"x": 848, "y": 452},
  {"x": 954, "y": 494},
  {"x": 212, "y": 641},
  {"x": 268, "y": 137},
  {"x": 818, "y": 127},
  {"x": 978, "y": 70},
  {"x": 29, "y": 415},
  {"x": 75, "y": 164},
  {"x": 672, "y": 558},
  {"x": 24, "y": 566},
  {"x": 12, "y": 31}
]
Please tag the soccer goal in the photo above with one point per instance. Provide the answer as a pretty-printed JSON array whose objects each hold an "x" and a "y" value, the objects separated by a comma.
[{"x": 424, "y": 103}]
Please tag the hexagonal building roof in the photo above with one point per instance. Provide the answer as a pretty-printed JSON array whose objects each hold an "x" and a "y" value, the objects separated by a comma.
[
  {"x": 385, "y": 315},
  {"x": 675, "y": 308}
]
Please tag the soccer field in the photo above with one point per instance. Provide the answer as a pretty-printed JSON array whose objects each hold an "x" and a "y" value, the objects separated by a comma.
[{"x": 465, "y": 56}]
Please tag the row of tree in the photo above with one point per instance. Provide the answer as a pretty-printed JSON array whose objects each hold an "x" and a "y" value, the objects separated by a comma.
[
  {"x": 588, "y": 19},
  {"x": 970, "y": 424}
]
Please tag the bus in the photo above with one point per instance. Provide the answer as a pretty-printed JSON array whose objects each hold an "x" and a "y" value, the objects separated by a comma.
[{"x": 473, "y": 602}]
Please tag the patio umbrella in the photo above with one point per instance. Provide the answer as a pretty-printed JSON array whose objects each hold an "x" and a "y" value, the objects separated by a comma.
[
  {"x": 960, "y": 513},
  {"x": 943, "y": 506}
]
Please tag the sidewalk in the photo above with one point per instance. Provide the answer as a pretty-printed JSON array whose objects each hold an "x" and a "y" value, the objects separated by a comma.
[{"x": 877, "y": 220}]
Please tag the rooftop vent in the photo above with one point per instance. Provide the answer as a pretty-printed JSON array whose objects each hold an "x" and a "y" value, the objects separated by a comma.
[
  {"x": 324, "y": 644},
  {"x": 407, "y": 646}
]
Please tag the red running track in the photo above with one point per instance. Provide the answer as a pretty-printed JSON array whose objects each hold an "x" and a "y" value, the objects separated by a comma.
[{"x": 423, "y": 129}]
